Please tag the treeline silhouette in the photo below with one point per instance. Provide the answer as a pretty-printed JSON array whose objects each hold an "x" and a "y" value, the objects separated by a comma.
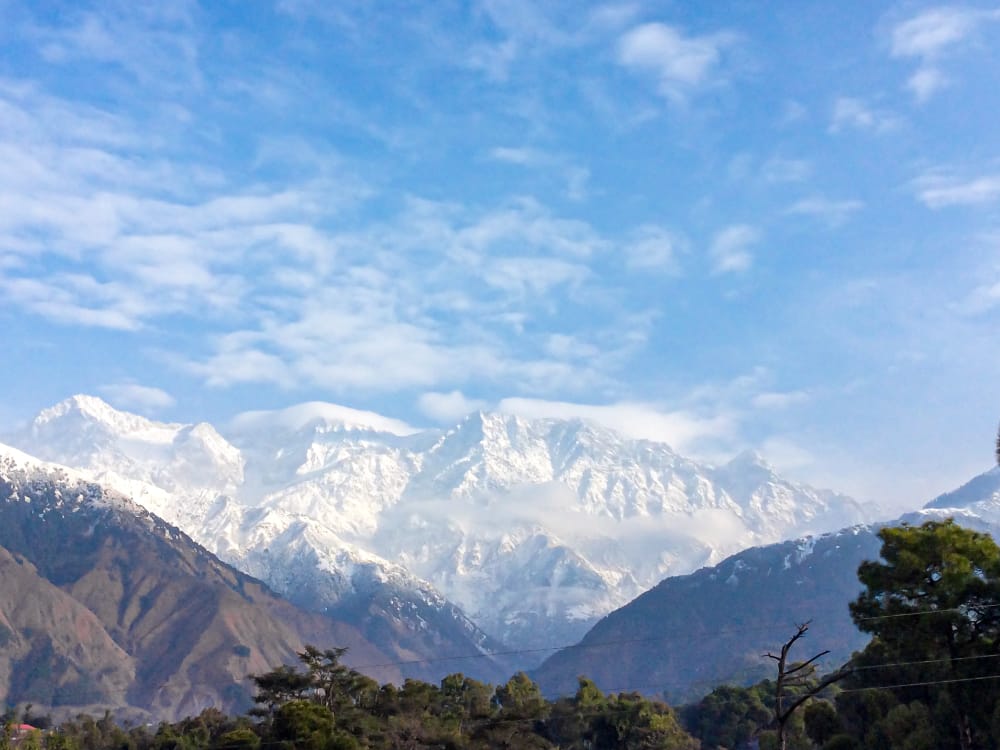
[{"x": 929, "y": 678}]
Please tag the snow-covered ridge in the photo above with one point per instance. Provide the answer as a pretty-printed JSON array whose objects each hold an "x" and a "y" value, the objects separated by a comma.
[
  {"x": 535, "y": 527},
  {"x": 296, "y": 417}
]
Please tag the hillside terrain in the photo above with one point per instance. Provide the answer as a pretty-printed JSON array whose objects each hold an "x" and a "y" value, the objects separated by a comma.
[
  {"x": 692, "y": 632},
  {"x": 102, "y": 604},
  {"x": 501, "y": 532}
]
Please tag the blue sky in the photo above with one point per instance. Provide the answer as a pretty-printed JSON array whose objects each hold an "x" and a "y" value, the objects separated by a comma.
[{"x": 729, "y": 225}]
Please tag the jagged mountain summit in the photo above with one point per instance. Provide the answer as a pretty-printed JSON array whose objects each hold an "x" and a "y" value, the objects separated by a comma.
[
  {"x": 980, "y": 497},
  {"x": 534, "y": 528}
]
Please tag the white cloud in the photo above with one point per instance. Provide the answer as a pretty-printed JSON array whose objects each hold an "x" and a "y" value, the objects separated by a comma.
[
  {"x": 729, "y": 251},
  {"x": 791, "y": 112},
  {"x": 930, "y": 36},
  {"x": 653, "y": 248},
  {"x": 942, "y": 190},
  {"x": 779, "y": 170},
  {"x": 779, "y": 399},
  {"x": 134, "y": 396},
  {"x": 294, "y": 418},
  {"x": 575, "y": 177},
  {"x": 982, "y": 299},
  {"x": 852, "y": 113},
  {"x": 425, "y": 298},
  {"x": 523, "y": 156},
  {"x": 153, "y": 42},
  {"x": 786, "y": 455},
  {"x": 833, "y": 213},
  {"x": 929, "y": 33},
  {"x": 683, "y": 430},
  {"x": 448, "y": 407},
  {"x": 926, "y": 82},
  {"x": 680, "y": 63}
]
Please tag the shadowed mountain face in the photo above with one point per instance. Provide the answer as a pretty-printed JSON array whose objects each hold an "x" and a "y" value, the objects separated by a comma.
[
  {"x": 103, "y": 604},
  {"x": 53, "y": 650},
  {"x": 500, "y": 529},
  {"x": 690, "y": 633}
]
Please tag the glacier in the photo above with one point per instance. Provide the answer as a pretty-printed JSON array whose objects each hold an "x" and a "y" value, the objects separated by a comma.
[{"x": 534, "y": 528}]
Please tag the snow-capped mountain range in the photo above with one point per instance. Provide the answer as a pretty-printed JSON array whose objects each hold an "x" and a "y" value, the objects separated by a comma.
[{"x": 534, "y": 528}]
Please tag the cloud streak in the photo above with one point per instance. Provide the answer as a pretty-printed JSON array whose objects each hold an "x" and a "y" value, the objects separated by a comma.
[
  {"x": 932, "y": 35},
  {"x": 680, "y": 63},
  {"x": 730, "y": 249},
  {"x": 134, "y": 396},
  {"x": 850, "y": 113},
  {"x": 943, "y": 191}
]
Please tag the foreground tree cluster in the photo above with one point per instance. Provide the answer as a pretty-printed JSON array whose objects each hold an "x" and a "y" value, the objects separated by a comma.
[{"x": 929, "y": 678}]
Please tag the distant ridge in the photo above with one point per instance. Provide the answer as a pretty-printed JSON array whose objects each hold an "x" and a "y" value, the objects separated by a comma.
[
  {"x": 501, "y": 532},
  {"x": 693, "y": 632}
]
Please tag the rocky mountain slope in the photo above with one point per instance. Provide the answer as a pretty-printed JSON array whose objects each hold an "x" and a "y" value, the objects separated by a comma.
[
  {"x": 692, "y": 632},
  {"x": 979, "y": 497},
  {"x": 534, "y": 528},
  {"x": 102, "y": 604}
]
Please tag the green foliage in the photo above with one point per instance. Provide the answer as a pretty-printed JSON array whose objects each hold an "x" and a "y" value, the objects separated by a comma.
[
  {"x": 727, "y": 717},
  {"x": 520, "y": 698},
  {"x": 243, "y": 738},
  {"x": 821, "y": 722},
  {"x": 932, "y": 607},
  {"x": 934, "y": 599}
]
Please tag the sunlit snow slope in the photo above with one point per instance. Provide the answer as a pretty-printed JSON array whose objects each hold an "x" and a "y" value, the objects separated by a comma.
[{"x": 535, "y": 528}]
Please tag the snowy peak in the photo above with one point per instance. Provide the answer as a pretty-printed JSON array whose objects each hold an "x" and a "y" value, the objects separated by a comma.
[
  {"x": 750, "y": 460},
  {"x": 535, "y": 527},
  {"x": 95, "y": 411},
  {"x": 317, "y": 416},
  {"x": 119, "y": 448},
  {"x": 982, "y": 488}
]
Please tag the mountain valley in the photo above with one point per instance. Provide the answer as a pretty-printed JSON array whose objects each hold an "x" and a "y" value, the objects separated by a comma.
[
  {"x": 423, "y": 552},
  {"x": 508, "y": 532}
]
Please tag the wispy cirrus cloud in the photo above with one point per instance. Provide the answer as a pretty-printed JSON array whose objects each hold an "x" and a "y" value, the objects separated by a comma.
[
  {"x": 942, "y": 190},
  {"x": 135, "y": 396},
  {"x": 779, "y": 399},
  {"x": 778, "y": 170},
  {"x": 730, "y": 249},
  {"x": 155, "y": 43},
  {"x": 684, "y": 430},
  {"x": 397, "y": 291},
  {"x": 447, "y": 408},
  {"x": 930, "y": 36},
  {"x": 680, "y": 63},
  {"x": 575, "y": 176},
  {"x": 706, "y": 420},
  {"x": 832, "y": 212},
  {"x": 850, "y": 113},
  {"x": 288, "y": 293},
  {"x": 654, "y": 248}
]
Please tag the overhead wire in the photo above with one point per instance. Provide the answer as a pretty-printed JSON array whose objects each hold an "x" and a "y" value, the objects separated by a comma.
[{"x": 580, "y": 645}]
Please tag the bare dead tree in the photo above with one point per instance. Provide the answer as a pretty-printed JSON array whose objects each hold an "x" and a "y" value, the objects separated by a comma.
[{"x": 797, "y": 674}]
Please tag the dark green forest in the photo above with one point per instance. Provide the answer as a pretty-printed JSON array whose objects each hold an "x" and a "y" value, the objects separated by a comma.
[{"x": 929, "y": 678}]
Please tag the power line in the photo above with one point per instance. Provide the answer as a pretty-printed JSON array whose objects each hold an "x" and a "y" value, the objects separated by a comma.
[
  {"x": 923, "y": 661},
  {"x": 648, "y": 639},
  {"x": 918, "y": 613},
  {"x": 922, "y": 684}
]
